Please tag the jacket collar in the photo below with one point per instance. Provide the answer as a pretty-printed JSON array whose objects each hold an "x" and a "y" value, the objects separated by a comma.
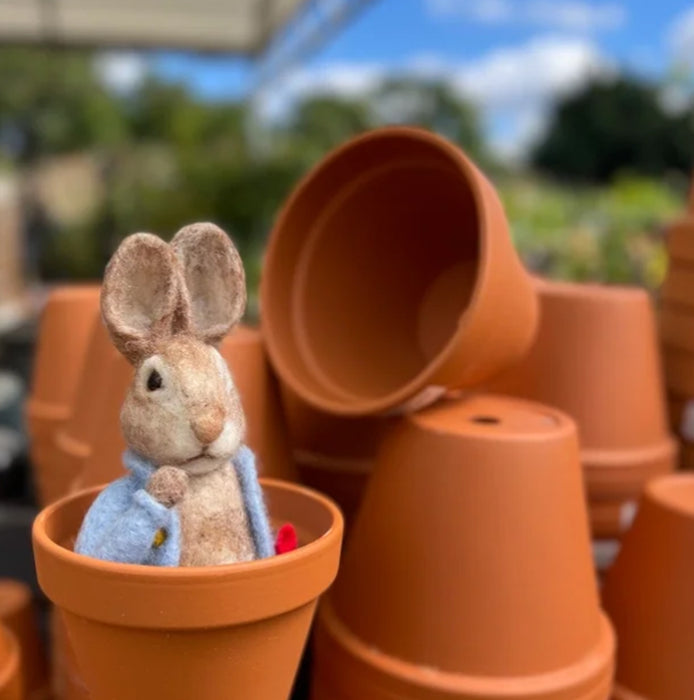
[{"x": 140, "y": 467}]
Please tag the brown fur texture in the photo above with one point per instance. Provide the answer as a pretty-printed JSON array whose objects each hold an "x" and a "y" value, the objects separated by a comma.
[
  {"x": 144, "y": 299},
  {"x": 165, "y": 307},
  {"x": 214, "y": 524},
  {"x": 218, "y": 301}
]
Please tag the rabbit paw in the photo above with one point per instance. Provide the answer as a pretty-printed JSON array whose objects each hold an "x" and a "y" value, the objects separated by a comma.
[{"x": 168, "y": 485}]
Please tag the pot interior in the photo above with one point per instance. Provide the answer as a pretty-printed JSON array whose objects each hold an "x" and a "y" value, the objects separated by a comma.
[
  {"x": 388, "y": 269},
  {"x": 311, "y": 517}
]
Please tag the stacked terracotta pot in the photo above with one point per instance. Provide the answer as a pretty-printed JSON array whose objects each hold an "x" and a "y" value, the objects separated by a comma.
[
  {"x": 390, "y": 289},
  {"x": 596, "y": 356},
  {"x": 677, "y": 333}
]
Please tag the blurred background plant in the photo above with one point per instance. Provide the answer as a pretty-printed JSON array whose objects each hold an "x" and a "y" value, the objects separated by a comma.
[{"x": 97, "y": 164}]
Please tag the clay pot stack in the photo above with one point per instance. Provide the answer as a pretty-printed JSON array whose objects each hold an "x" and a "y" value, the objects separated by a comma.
[
  {"x": 596, "y": 357},
  {"x": 677, "y": 333},
  {"x": 391, "y": 290},
  {"x": 66, "y": 324}
]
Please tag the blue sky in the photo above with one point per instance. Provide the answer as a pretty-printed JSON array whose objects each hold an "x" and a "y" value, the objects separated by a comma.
[{"x": 512, "y": 57}]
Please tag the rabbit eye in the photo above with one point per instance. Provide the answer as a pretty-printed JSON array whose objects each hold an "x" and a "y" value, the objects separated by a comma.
[{"x": 154, "y": 381}]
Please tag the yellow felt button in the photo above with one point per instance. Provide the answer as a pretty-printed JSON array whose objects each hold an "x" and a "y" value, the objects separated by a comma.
[{"x": 159, "y": 538}]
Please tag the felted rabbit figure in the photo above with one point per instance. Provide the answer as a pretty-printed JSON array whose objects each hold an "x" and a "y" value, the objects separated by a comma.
[{"x": 192, "y": 496}]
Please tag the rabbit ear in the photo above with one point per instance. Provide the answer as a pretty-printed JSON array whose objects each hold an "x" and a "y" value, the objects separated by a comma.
[
  {"x": 143, "y": 298},
  {"x": 214, "y": 277}
]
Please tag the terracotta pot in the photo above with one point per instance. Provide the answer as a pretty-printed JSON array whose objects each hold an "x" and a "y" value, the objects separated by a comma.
[
  {"x": 10, "y": 676},
  {"x": 579, "y": 364},
  {"x": 66, "y": 323},
  {"x": 468, "y": 573},
  {"x": 678, "y": 286},
  {"x": 649, "y": 594},
  {"x": 267, "y": 431},
  {"x": 18, "y": 615},
  {"x": 687, "y": 456},
  {"x": 181, "y": 633},
  {"x": 679, "y": 370},
  {"x": 677, "y": 327},
  {"x": 390, "y": 274},
  {"x": 89, "y": 447},
  {"x": 680, "y": 240},
  {"x": 334, "y": 454}
]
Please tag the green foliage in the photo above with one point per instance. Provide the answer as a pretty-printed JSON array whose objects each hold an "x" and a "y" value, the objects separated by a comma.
[
  {"x": 52, "y": 103},
  {"x": 615, "y": 126},
  {"x": 170, "y": 158},
  {"x": 608, "y": 234}
]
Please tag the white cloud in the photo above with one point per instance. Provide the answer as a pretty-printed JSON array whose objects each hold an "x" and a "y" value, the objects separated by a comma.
[
  {"x": 120, "y": 71},
  {"x": 680, "y": 36},
  {"x": 563, "y": 15},
  {"x": 538, "y": 70},
  {"x": 513, "y": 86}
]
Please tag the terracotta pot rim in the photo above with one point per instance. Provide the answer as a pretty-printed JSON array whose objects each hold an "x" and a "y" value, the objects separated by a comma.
[
  {"x": 75, "y": 448},
  {"x": 308, "y": 459},
  {"x": 119, "y": 581},
  {"x": 586, "y": 291},
  {"x": 10, "y": 668},
  {"x": 625, "y": 470},
  {"x": 476, "y": 181},
  {"x": 588, "y": 674},
  {"x": 658, "y": 491},
  {"x": 46, "y": 410}
]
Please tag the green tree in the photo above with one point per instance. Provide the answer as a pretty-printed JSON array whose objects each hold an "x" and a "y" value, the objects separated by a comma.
[
  {"x": 432, "y": 105},
  {"x": 53, "y": 102},
  {"x": 320, "y": 123},
  {"x": 613, "y": 126}
]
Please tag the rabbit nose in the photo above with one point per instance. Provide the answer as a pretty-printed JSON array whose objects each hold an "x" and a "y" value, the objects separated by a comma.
[{"x": 208, "y": 426}]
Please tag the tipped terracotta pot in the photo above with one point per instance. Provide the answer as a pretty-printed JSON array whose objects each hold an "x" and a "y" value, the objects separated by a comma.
[
  {"x": 183, "y": 632},
  {"x": 649, "y": 594},
  {"x": 390, "y": 275},
  {"x": 89, "y": 446},
  {"x": 66, "y": 324},
  {"x": 334, "y": 454},
  {"x": 596, "y": 357},
  {"x": 10, "y": 676},
  {"x": 18, "y": 615},
  {"x": 468, "y": 573},
  {"x": 267, "y": 431}
]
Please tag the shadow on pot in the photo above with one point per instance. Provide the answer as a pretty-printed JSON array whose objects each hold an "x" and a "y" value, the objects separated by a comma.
[{"x": 184, "y": 633}]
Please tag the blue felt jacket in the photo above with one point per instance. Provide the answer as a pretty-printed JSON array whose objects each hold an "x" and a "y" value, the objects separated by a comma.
[{"x": 125, "y": 524}]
